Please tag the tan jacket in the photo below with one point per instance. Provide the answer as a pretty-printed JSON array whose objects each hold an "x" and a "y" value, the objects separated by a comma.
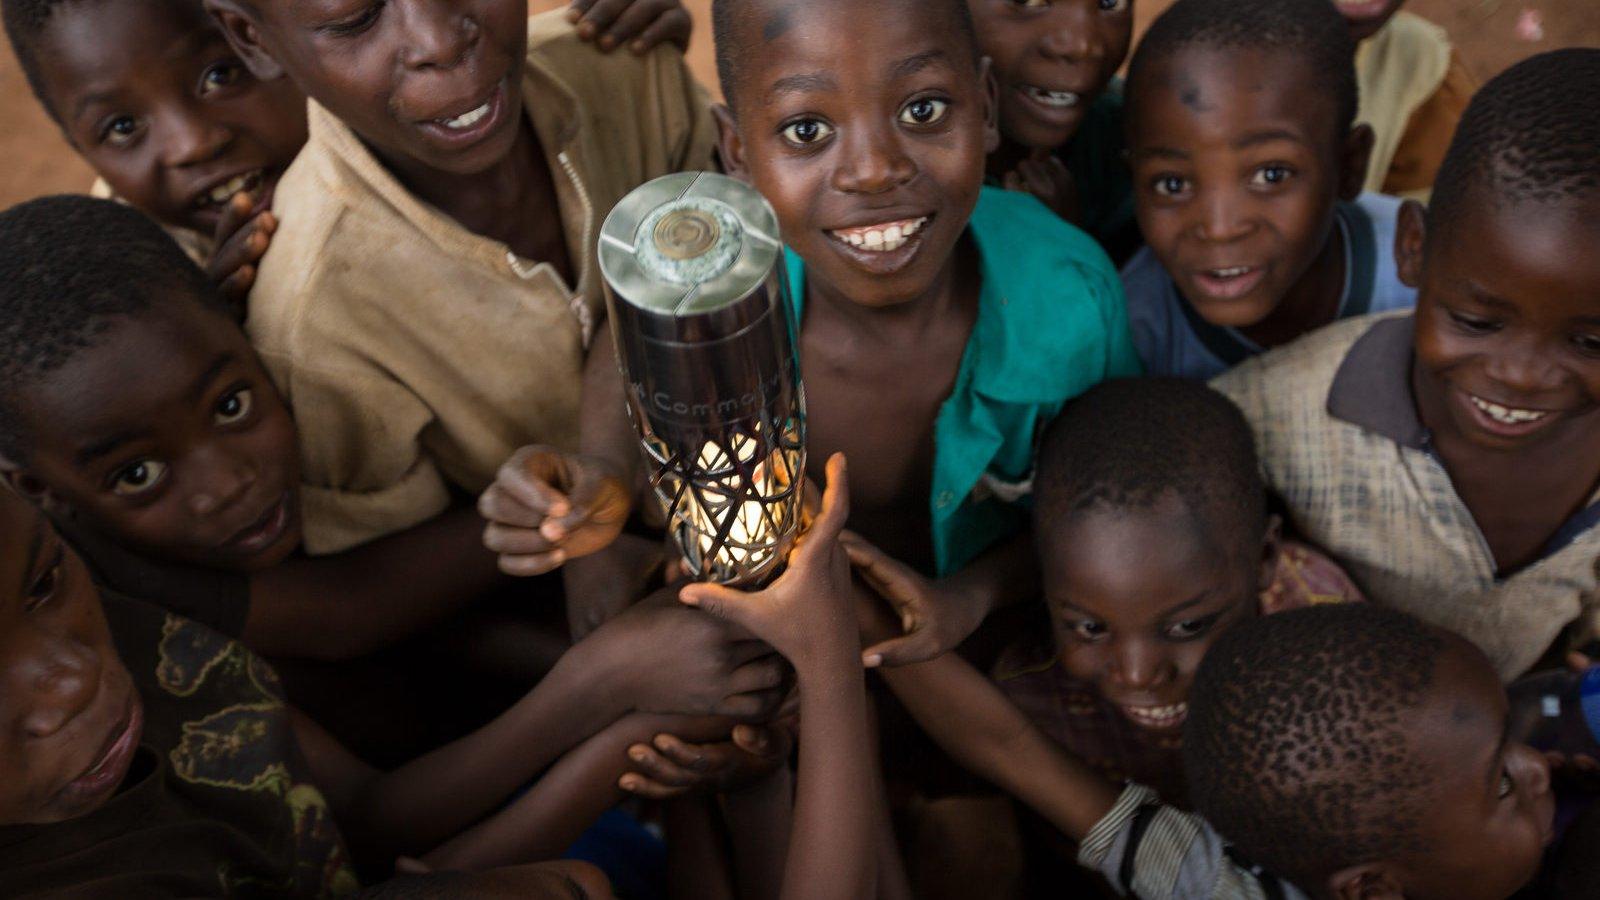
[
  {"x": 418, "y": 355},
  {"x": 1414, "y": 90}
]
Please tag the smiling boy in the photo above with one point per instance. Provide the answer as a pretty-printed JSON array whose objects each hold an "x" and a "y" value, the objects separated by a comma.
[
  {"x": 971, "y": 313},
  {"x": 1247, "y": 172},
  {"x": 1061, "y": 112},
  {"x": 1449, "y": 460},
  {"x": 429, "y": 303}
]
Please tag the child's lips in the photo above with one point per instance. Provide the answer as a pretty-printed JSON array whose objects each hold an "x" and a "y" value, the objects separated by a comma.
[
  {"x": 1158, "y": 718},
  {"x": 470, "y": 122},
  {"x": 264, "y": 531},
  {"x": 111, "y": 765},
  {"x": 1360, "y": 10},
  {"x": 1229, "y": 282},
  {"x": 1505, "y": 420},
  {"x": 882, "y": 248}
]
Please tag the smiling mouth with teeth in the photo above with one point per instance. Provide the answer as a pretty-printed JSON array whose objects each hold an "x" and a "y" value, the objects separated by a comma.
[
  {"x": 467, "y": 119},
  {"x": 222, "y": 193},
  {"x": 1053, "y": 99},
  {"x": 1506, "y": 415},
  {"x": 1157, "y": 716},
  {"x": 884, "y": 238}
]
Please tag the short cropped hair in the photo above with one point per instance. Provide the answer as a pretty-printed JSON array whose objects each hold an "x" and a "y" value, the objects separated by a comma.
[
  {"x": 1532, "y": 133},
  {"x": 69, "y": 267},
  {"x": 24, "y": 20},
  {"x": 728, "y": 15},
  {"x": 1128, "y": 444},
  {"x": 1311, "y": 29},
  {"x": 1295, "y": 746}
]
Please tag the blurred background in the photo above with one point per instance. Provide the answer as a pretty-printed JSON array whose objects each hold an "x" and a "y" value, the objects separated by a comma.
[{"x": 1490, "y": 35}]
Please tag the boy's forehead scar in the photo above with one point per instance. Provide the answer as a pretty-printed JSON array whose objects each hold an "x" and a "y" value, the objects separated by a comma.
[{"x": 778, "y": 24}]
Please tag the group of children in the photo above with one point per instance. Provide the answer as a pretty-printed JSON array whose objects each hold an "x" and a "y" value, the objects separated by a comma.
[{"x": 327, "y": 384}]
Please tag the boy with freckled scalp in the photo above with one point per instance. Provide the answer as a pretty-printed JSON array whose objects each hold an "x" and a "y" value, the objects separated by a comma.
[
  {"x": 1061, "y": 109},
  {"x": 430, "y": 297},
  {"x": 1151, "y": 524},
  {"x": 1248, "y": 172},
  {"x": 152, "y": 97},
  {"x": 1449, "y": 460}
]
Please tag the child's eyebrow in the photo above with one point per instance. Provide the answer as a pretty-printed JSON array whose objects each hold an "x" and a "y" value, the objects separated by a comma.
[
  {"x": 911, "y": 65},
  {"x": 1267, "y": 136},
  {"x": 104, "y": 446},
  {"x": 802, "y": 84}
]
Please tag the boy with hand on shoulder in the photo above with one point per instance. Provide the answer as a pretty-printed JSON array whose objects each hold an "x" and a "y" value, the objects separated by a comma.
[
  {"x": 443, "y": 211},
  {"x": 153, "y": 98},
  {"x": 1248, "y": 170},
  {"x": 1450, "y": 460},
  {"x": 1351, "y": 751},
  {"x": 1152, "y": 530},
  {"x": 1061, "y": 109}
]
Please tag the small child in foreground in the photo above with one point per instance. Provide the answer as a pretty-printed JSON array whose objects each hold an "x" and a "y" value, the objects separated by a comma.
[
  {"x": 1352, "y": 751},
  {"x": 1414, "y": 88},
  {"x": 1061, "y": 109},
  {"x": 1154, "y": 538},
  {"x": 1449, "y": 461},
  {"x": 1248, "y": 168}
]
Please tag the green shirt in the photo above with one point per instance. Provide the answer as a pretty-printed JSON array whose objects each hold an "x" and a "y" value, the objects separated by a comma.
[{"x": 1051, "y": 324}]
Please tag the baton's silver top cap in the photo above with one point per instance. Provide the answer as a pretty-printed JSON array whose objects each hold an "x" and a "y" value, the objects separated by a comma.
[{"x": 689, "y": 244}]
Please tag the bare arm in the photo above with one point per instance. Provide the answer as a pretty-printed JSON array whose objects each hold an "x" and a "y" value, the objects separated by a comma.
[
  {"x": 351, "y": 604},
  {"x": 808, "y": 616}
]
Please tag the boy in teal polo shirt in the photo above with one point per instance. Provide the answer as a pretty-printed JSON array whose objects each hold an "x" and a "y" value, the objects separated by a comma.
[{"x": 942, "y": 323}]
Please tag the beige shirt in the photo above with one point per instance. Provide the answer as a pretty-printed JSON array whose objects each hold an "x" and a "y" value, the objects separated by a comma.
[
  {"x": 1342, "y": 444},
  {"x": 1413, "y": 91},
  {"x": 418, "y": 355}
]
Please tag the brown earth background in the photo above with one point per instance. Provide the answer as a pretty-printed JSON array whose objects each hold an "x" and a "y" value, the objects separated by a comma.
[{"x": 1486, "y": 32}]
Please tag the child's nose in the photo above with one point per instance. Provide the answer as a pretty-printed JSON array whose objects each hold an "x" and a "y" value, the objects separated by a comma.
[
  {"x": 873, "y": 163},
  {"x": 58, "y": 680},
  {"x": 437, "y": 35},
  {"x": 220, "y": 479},
  {"x": 1141, "y": 667},
  {"x": 1525, "y": 369},
  {"x": 1222, "y": 218},
  {"x": 195, "y": 139},
  {"x": 1074, "y": 37}
]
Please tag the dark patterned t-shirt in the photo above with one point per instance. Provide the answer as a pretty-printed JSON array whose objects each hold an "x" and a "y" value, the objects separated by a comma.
[{"x": 217, "y": 802}]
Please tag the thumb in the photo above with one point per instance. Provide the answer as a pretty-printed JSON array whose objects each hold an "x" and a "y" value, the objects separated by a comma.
[
  {"x": 723, "y": 602},
  {"x": 898, "y": 651}
]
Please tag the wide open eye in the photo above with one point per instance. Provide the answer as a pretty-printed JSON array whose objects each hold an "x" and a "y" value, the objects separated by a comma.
[
  {"x": 927, "y": 111},
  {"x": 136, "y": 478},
  {"x": 807, "y": 132},
  {"x": 1170, "y": 185},
  {"x": 121, "y": 131},
  {"x": 1271, "y": 176},
  {"x": 235, "y": 406},
  {"x": 1088, "y": 630}
]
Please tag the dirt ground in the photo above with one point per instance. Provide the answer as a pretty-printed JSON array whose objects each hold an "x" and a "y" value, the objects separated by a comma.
[{"x": 1490, "y": 34}]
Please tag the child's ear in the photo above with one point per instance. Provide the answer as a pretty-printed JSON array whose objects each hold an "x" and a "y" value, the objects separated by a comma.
[
  {"x": 1368, "y": 881},
  {"x": 1410, "y": 236},
  {"x": 729, "y": 145},
  {"x": 1271, "y": 543},
  {"x": 239, "y": 26},
  {"x": 1357, "y": 157},
  {"x": 991, "y": 111}
]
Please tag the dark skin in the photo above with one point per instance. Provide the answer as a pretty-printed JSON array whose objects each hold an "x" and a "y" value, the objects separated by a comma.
[
  {"x": 1508, "y": 315},
  {"x": 401, "y": 74},
  {"x": 1137, "y": 597},
  {"x": 173, "y": 121},
  {"x": 1238, "y": 163},
  {"x": 1070, "y": 48}
]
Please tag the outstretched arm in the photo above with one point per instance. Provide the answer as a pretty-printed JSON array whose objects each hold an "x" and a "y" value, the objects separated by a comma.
[
  {"x": 808, "y": 616},
  {"x": 359, "y": 601},
  {"x": 973, "y": 721}
]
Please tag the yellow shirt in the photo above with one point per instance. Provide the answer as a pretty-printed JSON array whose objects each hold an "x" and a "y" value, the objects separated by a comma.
[
  {"x": 1413, "y": 92},
  {"x": 418, "y": 355}
]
